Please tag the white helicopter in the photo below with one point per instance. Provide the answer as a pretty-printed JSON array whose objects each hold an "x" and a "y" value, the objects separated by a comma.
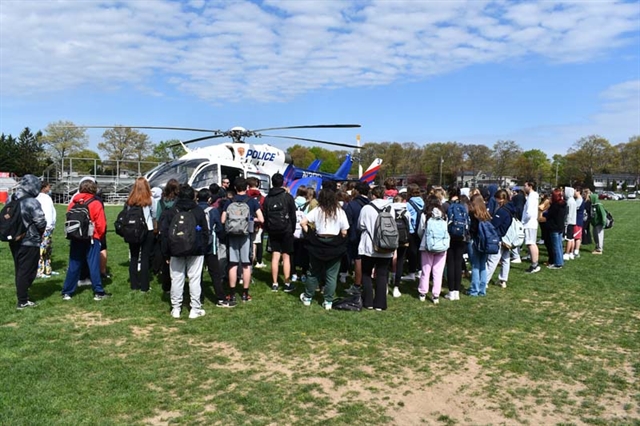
[{"x": 203, "y": 166}]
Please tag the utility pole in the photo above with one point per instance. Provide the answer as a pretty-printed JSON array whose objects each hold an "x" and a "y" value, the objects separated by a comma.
[{"x": 441, "y": 162}]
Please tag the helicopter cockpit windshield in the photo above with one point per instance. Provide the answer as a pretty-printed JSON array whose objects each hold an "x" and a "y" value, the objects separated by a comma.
[{"x": 181, "y": 170}]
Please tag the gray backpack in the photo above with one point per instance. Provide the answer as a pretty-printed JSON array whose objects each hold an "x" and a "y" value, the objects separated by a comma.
[
  {"x": 385, "y": 234},
  {"x": 237, "y": 222}
]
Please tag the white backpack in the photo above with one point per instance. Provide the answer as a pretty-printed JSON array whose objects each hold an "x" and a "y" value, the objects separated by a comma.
[{"x": 515, "y": 234}]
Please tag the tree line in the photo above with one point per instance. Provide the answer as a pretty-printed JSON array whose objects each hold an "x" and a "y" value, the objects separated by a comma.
[{"x": 437, "y": 162}]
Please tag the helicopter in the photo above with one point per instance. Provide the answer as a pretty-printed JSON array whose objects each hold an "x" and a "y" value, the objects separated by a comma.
[{"x": 203, "y": 166}]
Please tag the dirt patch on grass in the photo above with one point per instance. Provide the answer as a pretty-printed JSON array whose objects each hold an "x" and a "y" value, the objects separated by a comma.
[
  {"x": 162, "y": 418},
  {"x": 10, "y": 324},
  {"x": 91, "y": 319}
]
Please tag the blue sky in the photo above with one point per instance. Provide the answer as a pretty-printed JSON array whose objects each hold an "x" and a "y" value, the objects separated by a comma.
[{"x": 543, "y": 74}]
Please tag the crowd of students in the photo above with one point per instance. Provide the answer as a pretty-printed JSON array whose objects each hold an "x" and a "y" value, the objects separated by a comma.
[{"x": 318, "y": 240}]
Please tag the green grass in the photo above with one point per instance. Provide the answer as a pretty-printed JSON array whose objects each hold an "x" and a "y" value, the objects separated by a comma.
[{"x": 557, "y": 347}]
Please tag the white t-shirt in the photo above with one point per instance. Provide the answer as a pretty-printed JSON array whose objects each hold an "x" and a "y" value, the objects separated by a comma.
[
  {"x": 328, "y": 226},
  {"x": 48, "y": 208}
]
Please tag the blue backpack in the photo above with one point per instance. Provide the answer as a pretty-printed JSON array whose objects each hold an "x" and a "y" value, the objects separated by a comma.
[
  {"x": 436, "y": 235},
  {"x": 458, "y": 221},
  {"x": 488, "y": 239}
]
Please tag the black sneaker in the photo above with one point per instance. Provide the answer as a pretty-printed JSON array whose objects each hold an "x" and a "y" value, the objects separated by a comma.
[
  {"x": 533, "y": 269},
  {"x": 288, "y": 288},
  {"x": 226, "y": 304},
  {"x": 101, "y": 296},
  {"x": 231, "y": 298},
  {"x": 27, "y": 304},
  {"x": 246, "y": 297}
]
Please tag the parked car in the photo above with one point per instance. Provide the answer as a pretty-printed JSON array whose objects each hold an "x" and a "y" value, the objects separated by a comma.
[
  {"x": 620, "y": 195},
  {"x": 632, "y": 195},
  {"x": 605, "y": 195}
]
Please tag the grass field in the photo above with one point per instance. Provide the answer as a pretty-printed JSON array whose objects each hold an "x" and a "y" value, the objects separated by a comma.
[{"x": 556, "y": 347}]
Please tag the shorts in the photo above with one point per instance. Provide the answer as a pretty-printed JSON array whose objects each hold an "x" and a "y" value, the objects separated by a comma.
[
  {"x": 577, "y": 232},
  {"x": 568, "y": 232},
  {"x": 530, "y": 236},
  {"x": 239, "y": 249},
  {"x": 280, "y": 243}
]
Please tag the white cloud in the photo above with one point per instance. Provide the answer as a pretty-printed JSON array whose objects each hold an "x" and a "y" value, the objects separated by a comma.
[{"x": 230, "y": 51}]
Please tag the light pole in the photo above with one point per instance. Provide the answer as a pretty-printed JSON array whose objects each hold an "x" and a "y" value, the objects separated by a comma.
[{"x": 441, "y": 162}]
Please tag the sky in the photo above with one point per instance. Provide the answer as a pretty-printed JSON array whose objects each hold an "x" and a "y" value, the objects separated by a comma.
[{"x": 543, "y": 74}]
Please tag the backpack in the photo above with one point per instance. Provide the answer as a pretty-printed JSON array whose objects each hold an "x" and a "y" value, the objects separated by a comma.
[
  {"x": 12, "y": 226},
  {"x": 278, "y": 221},
  {"x": 212, "y": 231},
  {"x": 488, "y": 240},
  {"x": 436, "y": 235},
  {"x": 350, "y": 303},
  {"x": 385, "y": 232},
  {"x": 609, "y": 220},
  {"x": 418, "y": 213},
  {"x": 458, "y": 225},
  {"x": 402, "y": 223},
  {"x": 299, "y": 216},
  {"x": 78, "y": 225},
  {"x": 237, "y": 222},
  {"x": 515, "y": 234},
  {"x": 182, "y": 233},
  {"x": 131, "y": 224}
]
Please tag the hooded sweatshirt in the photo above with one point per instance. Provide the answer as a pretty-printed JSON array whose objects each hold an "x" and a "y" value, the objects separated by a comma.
[
  {"x": 419, "y": 202},
  {"x": 96, "y": 213},
  {"x": 598, "y": 212},
  {"x": 32, "y": 214},
  {"x": 492, "y": 204},
  {"x": 572, "y": 208},
  {"x": 502, "y": 218},
  {"x": 288, "y": 204},
  {"x": 202, "y": 236},
  {"x": 366, "y": 224}
]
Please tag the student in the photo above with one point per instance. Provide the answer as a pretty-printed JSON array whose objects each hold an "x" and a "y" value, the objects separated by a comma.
[
  {"x": 216, "y": 232},
  {"x": 189, "y": 264},
  {"x": 415, "y": 205},
  {"x": 457, "y": 248},
  {"x": 478, "y": 213},
  {"x": 239, "y": 246},
  {"x": 555, "y": 223},
  {"x": 26, "y": 251},
  {"x": 280, "y": 223},
  {"x": 360, "y": 198},
  {"x": 326, "y": 229},
  {"x": 577, "y": 230},
  {"x": 46, "y": 246},
  {"x": 166, "y": 202},
  {"x": 374, "y": 297},
  {"x": 397, "y": 263},
  {"x": 257, "y": 252},
  {"x": 87, "y": 251},
  {"x": 570, "y": 222},
  {"x": 300, "y": 258},
  {"x": 390, "y": 189},
  {"x": 433, "y": 260},
  {"x": 598, "y": 220},
  {"x": 501, "y": 220},
  {"x": 530, "y": 224},
  {"x": 140, "y": 196}
]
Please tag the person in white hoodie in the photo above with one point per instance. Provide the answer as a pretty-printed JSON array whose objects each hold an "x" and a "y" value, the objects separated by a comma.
[
  {"x": 570, "y": 222},
  {"x": 530, "y": 224},
  {"x": 46, "y": 246},
  {"x": 372, "y": 259}
]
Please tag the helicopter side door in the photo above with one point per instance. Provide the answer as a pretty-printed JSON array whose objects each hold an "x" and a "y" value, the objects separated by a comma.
[
  {"x": 206, "y": 176},
  {"x": 231, "y": 173}
]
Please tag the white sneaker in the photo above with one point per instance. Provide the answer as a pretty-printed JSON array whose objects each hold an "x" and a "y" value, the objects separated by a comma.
[
  {"x": 422, "y": 297},
  {"x": 175, "y": 312},
  {"x": 571, "y": 256},
  {"x": 260, "y": 265},
  {"x": 565, "y": 256},
  {"x": 419, "y": 274},
  {"x": 327, "y": 305},
  {"x": 274, "y": 287},
  {"x": 294, "y": 278},
  {"x": 197, "y": 312},
  {"x": 516, "y": 260},
  {"x": 502, "y": 284},
  {"x": 456, "y": 295},
  {"x": 540, "y": 242},
  {"x": 435, "y": 300},
  {"x": 409, "y": 277},
  {"x": 396, "y": 292},
  {"x": 450, "y": 296}
]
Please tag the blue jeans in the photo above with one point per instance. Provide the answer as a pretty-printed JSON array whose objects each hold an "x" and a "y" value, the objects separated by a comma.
[
  {"x": 478, "y": 272},
  {"x": 79, "y": 251},
  {"x": 556, "y": 244}
]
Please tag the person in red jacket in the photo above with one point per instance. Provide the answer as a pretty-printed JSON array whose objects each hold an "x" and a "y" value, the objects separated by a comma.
[{"x": 89, "y": 250}]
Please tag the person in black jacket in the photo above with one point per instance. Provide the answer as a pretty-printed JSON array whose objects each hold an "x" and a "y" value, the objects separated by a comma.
[
  {"x": 280, "y": 223},
  {"x": 189, "y": 264},
  {"x": 501, "y": 220},
  {"x": 26, "y": 252},
  {"x": 555, "y": 223}
]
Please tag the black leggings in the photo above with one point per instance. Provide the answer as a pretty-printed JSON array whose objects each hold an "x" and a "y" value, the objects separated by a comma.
[
  {"x": 455, "y": 261},
  {"x": 413, "y": 254},
  {"x": 140, "y": 279},
  {"x": 381, "y": 264},
  {"x": 215, "y": 272},
  {"x": 400, "y": 257}
]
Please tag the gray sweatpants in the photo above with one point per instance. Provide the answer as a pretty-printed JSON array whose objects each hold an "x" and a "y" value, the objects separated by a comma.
[
  {"x": 598, "y": 237},
  {"x": 181, "y": 267},
  {"x": 503, "y": 258}
]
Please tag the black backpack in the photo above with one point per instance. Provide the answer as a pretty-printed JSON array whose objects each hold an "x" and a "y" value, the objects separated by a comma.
[
  {"x": 12, "y": 226},
  {"x": 350, "y": 303},
  {"x": 78, "y": 225},
  {"x": 131, "y": 224},
  {"x": 402, "y": 223},
  {"x": 278, "y": 220},
  {"x": 182, "y": 234}
]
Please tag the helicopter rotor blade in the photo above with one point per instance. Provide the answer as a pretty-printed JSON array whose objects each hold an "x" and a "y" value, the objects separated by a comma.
[
  {"x": 312, "y": 126},
  {"x": 204, "y": 138},
  {"x": 145, "y": 127},
  {"x": 314, "y": 140}
]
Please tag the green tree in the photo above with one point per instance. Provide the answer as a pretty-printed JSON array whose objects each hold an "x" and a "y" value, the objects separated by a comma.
[
  {"x": 30, "y": 152},
  {"x": 631, "y": 154},
  {"x": 83, "y": 162},
  {"x": 167, "y": 151},
  {"x": 300, "y": 155},
  {"x": 533, "y": 165},
  {"x": 8, "y": 153},
  {"x": 593, "y": 154},
  {"x": 330, "y": 161},
  {"x": 63, "y": 138},
  {"x": 477, "y": 158},
  {"x": 124, "y": 144},
  {"x": 504, "y": 158}
]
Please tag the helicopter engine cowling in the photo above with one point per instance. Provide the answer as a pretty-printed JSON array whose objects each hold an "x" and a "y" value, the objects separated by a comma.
[{"x": 288, "y": 159}]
